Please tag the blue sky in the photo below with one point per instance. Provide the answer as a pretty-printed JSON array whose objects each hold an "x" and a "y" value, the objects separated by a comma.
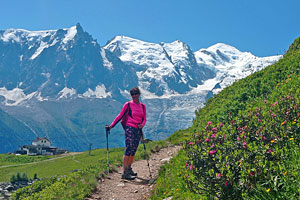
[{"x": 263, "y": 27}]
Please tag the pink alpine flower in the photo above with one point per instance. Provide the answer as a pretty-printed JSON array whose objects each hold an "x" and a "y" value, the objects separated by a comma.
[
  {"x": 219, "y": 175},
  {"x": 191, "y": 167},
  {"x": 191, "y": 143},
  {"x": 245, "y": 145},
  {"x": 186, "y": 165},
  {"x": 221, "y": 124},
  {"x": 226, "y": 183},
  {"x": 213, "y": 135},
  {"x": 209, "y": 123},
  {"x": 214, "y": 129},
  {"x": 270, "y": 151},
  {"x": 238, "y": 138},
  {"x": 207, "y": 140},
  {"x": 252, "y": 173},
  {"x": 212, "y": 152}
]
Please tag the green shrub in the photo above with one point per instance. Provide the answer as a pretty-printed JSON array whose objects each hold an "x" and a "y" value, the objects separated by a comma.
[
  {"x": 19, "y": 177},
  {"x": 13, "y": 179},
  {"x": 36, "y": 187},
  {"x": 75, "y": 186},
  {"x": 35, "y": 176}
]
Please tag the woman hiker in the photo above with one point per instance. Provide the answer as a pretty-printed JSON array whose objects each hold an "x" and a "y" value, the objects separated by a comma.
[{"x": 133, "y": 116}]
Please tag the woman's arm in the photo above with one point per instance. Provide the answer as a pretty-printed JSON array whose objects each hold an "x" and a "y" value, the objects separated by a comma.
[{"x": 120, "y": 115}]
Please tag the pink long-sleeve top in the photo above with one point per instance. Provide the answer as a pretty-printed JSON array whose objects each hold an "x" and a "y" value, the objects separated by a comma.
[{"x": 136, "y": 114}]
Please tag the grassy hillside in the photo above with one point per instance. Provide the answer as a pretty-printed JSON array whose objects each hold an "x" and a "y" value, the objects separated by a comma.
[
  {"x": 11, "y": 159},
  {"x": 63, "y": 165},
  {"x": 244, "y": 144}
]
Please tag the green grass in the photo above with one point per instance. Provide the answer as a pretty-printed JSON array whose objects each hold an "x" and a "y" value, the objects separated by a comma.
[
  {"x": 11, "y": 159},
  {"x": 179, "y": 137},
  {"x": 61, "y": 166},
  {"x": 170, "y": 183}
]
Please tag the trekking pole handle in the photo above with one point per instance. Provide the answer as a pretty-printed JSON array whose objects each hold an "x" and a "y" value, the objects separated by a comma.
[
  {"x": 141, "y": 131},
  {"x": 107, "y": 128}
]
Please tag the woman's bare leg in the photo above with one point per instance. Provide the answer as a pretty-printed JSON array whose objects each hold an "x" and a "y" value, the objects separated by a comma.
[
  {"x": 125, "y": 162},
  {"x": 130, "y": 160}
]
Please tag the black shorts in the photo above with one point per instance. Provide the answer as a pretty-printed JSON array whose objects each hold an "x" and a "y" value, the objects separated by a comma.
[{"x": 132, "y": 140}]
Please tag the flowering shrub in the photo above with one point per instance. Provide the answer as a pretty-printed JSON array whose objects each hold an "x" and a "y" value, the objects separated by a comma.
[{"x": 230, "y": 160}]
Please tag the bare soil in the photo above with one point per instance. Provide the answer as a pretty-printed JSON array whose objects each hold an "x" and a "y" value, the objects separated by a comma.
[{"x": 115, "y": 188}]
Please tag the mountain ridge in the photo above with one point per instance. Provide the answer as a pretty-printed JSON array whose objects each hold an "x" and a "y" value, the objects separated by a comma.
[{"x": 68, "y": 65}]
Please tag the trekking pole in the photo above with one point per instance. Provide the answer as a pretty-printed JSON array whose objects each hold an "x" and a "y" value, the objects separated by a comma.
[
  {"x": 145, "y": 152},
  {"x": 107, "y": 129}
]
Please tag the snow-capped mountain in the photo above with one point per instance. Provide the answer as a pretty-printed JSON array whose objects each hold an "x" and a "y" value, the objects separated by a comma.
[
  {"x": 62, "y": 83},
  {"x": 58, "y": 64},
  {"x": 230, "y": 64},
  {"x": 163, "y": 69}
]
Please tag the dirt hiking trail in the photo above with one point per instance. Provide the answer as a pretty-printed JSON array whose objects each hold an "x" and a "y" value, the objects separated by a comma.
[{"x": 115, "y": 188}]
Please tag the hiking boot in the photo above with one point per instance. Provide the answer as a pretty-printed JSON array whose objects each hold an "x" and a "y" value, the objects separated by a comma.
[
  {"x": 131, "y": 172},
  {"x": 127, "y": 176}
]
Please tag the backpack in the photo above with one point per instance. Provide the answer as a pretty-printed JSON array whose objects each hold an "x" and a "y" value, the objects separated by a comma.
[{"x": 127, "y": 113}]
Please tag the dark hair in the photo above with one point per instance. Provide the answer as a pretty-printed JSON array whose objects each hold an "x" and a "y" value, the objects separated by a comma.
[{"x": 134, "y": 90}]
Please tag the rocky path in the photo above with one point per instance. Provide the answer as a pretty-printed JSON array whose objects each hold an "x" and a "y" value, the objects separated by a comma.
[{"x": 114, "y": 188}]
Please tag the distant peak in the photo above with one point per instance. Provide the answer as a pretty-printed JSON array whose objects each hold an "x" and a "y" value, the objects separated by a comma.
[
  {"x": 124, "y": 38},
  {"x": 223, "y": 47},
  {"x": 78, "y": 25},
  {"x": 79, "y": 28},
  {"x": 177, "y": 44},
  {"x": 178, "y": 41}
]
